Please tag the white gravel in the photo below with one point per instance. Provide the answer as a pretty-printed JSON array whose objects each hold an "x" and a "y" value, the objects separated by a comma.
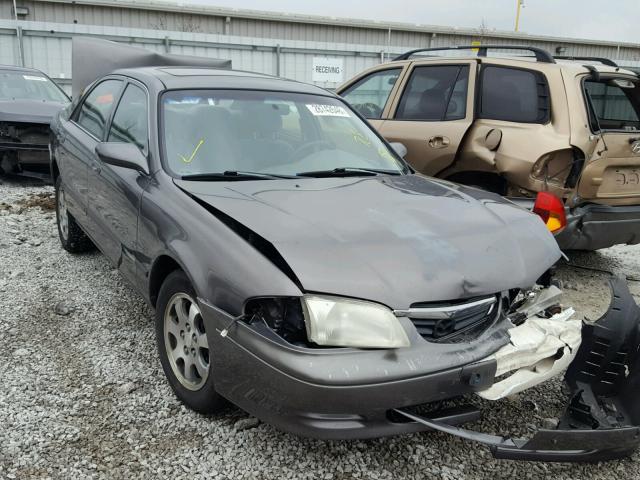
[{"x": 83, "y": 394}]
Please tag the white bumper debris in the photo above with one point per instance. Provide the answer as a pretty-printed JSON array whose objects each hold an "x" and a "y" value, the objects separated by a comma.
[{"x": 540, "y": 348}]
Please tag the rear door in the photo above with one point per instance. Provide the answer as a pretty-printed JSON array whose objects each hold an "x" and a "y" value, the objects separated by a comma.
[
  {"x": 612, "y": 171},
  {"x": 82, "y": 133},
  {"x": 432, "y": 113},
  {"x": 372, "y": 93}
]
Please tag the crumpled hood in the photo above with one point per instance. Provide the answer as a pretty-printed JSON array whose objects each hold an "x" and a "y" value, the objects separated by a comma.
[
  {"x": 395, "y": 240},
  {"x": 28, "y": 111}
]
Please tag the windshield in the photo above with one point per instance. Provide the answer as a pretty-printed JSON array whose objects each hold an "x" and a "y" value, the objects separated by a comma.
[
  {"x": 274, "y": 133},
  {"x": 29, "y": 86}
]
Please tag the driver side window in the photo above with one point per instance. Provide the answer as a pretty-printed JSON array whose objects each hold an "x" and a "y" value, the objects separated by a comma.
[
  {"x": 129, "y": 124},
  {"x": 369, "y": 95}
]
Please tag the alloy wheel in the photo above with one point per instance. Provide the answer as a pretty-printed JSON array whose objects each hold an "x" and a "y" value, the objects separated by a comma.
[{"x": 186, "y": 341}]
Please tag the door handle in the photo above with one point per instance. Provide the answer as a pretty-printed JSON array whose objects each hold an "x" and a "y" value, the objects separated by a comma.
[{"x": 439, "y": 141}]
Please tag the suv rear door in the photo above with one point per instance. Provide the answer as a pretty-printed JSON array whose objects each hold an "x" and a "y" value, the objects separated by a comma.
[
  {"x": 612, "y": 171},
  {"x": 432, "y": 113}
]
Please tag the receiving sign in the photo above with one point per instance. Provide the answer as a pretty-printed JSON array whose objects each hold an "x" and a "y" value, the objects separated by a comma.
[{"x": 328, "y": 70}]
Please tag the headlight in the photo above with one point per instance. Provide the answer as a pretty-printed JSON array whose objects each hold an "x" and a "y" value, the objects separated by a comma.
[{"x": 342, "y": 322}]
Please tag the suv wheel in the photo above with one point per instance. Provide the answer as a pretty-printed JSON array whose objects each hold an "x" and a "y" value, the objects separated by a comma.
[
  {"x": 72, "y": 238},
  {"x": 183, "y": 347}
]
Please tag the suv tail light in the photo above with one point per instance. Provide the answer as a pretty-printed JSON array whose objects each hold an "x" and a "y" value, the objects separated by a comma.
[{"x": 551, "y": 209}]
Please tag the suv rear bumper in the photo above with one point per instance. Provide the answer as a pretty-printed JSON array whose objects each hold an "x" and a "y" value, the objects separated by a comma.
[{"x": 592, "y": 226}]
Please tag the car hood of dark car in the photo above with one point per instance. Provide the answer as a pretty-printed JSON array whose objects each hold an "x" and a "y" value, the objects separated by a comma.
[
  {"x": 396, "y": 240},
  {"x": 28, "y": 111}
]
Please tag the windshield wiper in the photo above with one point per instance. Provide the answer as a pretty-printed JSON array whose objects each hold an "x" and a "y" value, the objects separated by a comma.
[
  {"x": 348, "y": 172},
  {"x": 233, "y": 175}
]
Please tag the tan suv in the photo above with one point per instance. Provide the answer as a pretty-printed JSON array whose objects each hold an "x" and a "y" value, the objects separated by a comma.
[{"x": 518, "y": 126}]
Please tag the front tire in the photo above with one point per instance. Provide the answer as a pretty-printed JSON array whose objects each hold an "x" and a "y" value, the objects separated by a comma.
[
  {"x": 72, "y": 238},
  {"x": 183, "y": 347}
]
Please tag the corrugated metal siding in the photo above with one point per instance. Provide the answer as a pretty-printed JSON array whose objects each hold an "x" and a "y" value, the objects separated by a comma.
[{"x": 154, "y": 17}]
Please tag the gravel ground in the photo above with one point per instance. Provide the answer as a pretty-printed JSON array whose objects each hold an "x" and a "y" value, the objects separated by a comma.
[{"x": 84, "y": 395}]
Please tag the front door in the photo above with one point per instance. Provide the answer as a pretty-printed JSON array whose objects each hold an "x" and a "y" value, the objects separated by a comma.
[
  {"x": 372, "y": 93},
  {"x": 115, "y": 192},
  {"x": 433, "y": 113}
]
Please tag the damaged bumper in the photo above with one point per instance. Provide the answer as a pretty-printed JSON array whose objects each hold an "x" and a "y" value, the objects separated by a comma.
[
  {"x": 349, "y": 394},
  {"x": 591, "y": 227},
  {"x": 602, "y": 418}
]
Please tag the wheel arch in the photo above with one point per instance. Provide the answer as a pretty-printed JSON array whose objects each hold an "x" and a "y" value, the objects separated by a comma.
[{"x": 162, "y": 267}]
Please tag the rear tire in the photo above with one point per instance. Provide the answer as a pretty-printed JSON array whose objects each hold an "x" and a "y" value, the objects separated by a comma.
[
  {"x": 183, "y": 347},
  {"x": 72, "y": 238}
]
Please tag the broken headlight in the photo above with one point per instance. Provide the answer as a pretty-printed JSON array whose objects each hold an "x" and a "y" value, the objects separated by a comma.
[{"x": 342, "y": 322}]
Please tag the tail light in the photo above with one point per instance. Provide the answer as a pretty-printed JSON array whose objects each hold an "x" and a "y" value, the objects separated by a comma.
[{"x": 551, "y": 209}]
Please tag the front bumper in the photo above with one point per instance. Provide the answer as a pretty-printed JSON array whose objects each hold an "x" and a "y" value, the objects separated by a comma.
[
  {"x": 592, "y": 226},
  {"x": 601, "y": 420},
  {"x": 602, "y": 417}
]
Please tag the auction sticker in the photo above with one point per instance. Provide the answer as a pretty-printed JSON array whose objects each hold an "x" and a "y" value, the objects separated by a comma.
[
  {"x": 32, "y": 77},
  {"x": 320, "y": 110}
]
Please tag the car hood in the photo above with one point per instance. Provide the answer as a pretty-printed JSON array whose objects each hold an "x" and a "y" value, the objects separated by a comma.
[
  {"x": 394, "y": 240},
  {"x": 28, "y": 111}
]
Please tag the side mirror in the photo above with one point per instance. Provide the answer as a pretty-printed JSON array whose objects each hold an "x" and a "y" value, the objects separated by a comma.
[
  {"x": 125, "y": 155},
  {"x": 399, "y": 148}
]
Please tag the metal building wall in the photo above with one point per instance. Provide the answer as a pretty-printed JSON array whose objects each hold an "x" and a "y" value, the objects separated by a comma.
[
  {"x": 175, "y": 16},
  {"x": 47, "y": 46},
  {"x": 258, "y": 41}
]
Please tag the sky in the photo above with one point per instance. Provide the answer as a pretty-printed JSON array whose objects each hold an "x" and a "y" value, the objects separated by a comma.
[{"x": 615, "y": 20}]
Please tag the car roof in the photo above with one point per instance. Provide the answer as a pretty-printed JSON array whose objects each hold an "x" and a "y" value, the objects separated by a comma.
[
  {"x": 208, "y": 77},
  {"x": 16, "y": 68},
  {"x": 578, "y": 66}
]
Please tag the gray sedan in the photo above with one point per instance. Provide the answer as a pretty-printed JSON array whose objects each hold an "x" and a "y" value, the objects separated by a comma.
[{"x": 301, "y": 270}]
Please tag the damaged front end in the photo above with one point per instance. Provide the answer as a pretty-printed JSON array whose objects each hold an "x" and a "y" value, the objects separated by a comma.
[
  {"x": 602, "y": 417},
  {"x": 24, "y": 146}
]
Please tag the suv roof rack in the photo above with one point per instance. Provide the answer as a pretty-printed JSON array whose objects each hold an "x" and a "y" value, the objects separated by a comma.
[
  {"x": 602, "y": 60},
  {"x": 540, "y": 54}
]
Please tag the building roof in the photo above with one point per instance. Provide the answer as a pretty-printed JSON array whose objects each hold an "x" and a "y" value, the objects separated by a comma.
[{"x": 185, "y": 7}]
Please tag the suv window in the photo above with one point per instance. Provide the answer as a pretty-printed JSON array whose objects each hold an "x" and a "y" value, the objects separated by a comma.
[
  {"x": 615, "y": 108},
  {"x": 129, "y": 123},
  {"x": 369, "y": 95},
  {"x": 435, "y": 93},
  {"x": 96, "y": 108},
  {"x": 514, "y": 95}
]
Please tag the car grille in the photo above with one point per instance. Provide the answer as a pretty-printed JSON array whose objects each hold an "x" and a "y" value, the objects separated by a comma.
[{"x": 453, "y": 322}]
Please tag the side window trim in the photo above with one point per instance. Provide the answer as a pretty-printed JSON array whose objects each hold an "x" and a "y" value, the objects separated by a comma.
[
  {"x": 129, "y": 81},
  {"x": 392, "y": 93},
  {"x": 405, "y": 84},
  {"x": 539, "y": 76},
  {"x": 74, "y": 116}
]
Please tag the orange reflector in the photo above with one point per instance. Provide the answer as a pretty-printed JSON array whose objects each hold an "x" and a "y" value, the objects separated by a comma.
[{"x": 551, "y": 209}]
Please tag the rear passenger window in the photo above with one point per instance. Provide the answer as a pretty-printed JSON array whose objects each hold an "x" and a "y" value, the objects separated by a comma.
[
  {"x": 129, "y": 123},
  {"x": 369, "y": 95},
  {"x": 435, "y": 93},
  {"x": 514, "y": 95},
  {"x": 96, "y": 108}
]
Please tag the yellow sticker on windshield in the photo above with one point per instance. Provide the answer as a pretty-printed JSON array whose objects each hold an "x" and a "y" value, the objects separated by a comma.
[
  {"x": 360, "y": 138},
  {"x": 193, "y": 154}
]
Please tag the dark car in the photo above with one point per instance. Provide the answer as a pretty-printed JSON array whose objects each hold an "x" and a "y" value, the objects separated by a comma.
[
  {"x": 28, "y": 101},
  {"x": 300, "y": 269}
]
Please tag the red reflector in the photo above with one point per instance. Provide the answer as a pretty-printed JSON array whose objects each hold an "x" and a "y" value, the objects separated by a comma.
[{"x": 551, "y": 209}]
